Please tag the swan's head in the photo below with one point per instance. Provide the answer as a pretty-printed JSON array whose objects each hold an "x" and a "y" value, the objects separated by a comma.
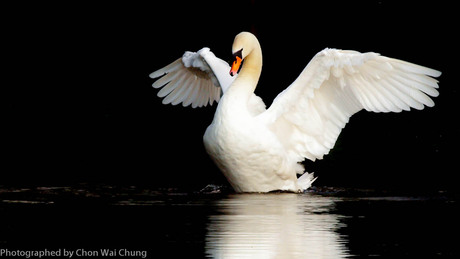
[{"x": 243, "y": 45}]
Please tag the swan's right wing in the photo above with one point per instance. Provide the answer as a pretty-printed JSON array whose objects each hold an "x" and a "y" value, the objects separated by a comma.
[{"x": 198, "y": 78}]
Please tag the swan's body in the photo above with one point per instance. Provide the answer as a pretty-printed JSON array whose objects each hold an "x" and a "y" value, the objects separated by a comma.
[{"x": 260, "y": 150}]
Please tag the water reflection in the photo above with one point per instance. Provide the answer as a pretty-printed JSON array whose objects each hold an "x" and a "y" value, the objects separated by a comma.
[{"x": 275, "y": 226}]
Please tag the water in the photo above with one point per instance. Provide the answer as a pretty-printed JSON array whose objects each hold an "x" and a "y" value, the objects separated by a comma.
[
  {"x": 142, "y": 222},
  {"x": 281, "y": 225}
]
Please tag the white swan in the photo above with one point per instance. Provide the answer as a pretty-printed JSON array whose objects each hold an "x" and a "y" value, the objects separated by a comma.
[{"x": 260, "y": 150}]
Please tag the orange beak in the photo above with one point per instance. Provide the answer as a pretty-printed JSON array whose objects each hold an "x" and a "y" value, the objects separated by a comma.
[
  {"x": 237, "y": 62},
  {"x": 236, "y": 66}
]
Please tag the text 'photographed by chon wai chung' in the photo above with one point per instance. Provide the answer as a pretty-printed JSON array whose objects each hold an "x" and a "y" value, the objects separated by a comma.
[{"x": 73, "y": 253}]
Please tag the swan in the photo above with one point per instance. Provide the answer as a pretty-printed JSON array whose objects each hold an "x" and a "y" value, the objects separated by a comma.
[{"x": 260, "y": 149}]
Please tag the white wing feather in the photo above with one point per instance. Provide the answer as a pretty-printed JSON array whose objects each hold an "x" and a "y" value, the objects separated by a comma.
[
  {"x": 308, "y": 116},
  {"x": 196, "y": 78}
]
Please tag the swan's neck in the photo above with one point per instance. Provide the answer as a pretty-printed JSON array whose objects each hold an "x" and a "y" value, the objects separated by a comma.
[{"x": 246, "y": 82}]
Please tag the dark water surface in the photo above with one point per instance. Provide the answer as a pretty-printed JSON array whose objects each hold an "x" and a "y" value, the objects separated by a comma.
[{"x": 136, "y": 222}]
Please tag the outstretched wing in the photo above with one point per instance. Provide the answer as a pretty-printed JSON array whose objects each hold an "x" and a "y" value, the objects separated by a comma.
[
  {"x": 308, "y": 116},
  {"x": 196, "y": 78}
]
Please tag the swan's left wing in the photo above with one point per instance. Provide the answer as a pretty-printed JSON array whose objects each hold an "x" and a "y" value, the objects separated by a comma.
[
  {"x": 308, "y": 116},
  {"x": 198, "y": 78}
]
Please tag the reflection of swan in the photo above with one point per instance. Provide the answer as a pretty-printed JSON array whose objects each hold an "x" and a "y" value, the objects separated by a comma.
[
  {"x": 259, "y": 150},
  {"x": 274, "y": 226}
]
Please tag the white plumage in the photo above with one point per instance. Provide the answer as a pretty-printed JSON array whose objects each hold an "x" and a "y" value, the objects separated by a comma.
[
  {"x": 196, "y": 79},
  {"x": 260, "y": 150}
]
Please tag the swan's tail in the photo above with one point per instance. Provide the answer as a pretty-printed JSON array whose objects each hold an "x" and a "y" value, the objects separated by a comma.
[{"x": 304, "y": 181}]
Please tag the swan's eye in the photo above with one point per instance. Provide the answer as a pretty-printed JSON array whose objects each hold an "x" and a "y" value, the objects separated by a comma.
[{"x": 239, "y": 53}]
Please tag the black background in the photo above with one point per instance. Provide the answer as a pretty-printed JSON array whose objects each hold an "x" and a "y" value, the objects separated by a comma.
[{"x": 79, "y": 106}]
